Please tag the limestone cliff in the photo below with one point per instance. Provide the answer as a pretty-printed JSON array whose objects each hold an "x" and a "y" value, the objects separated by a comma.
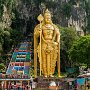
[{"x": 65, "y": 13}]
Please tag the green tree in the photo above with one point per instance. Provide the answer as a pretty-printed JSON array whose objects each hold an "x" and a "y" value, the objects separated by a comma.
[
  {"x": 16, "y": 37},
  {"x": 4, "y": 38},
  {"x": 66, "y": 9},
  {"x": 2, "y": 67},
  {"x": 68, "y": 36},
  {"x": 80, "y": 50}
]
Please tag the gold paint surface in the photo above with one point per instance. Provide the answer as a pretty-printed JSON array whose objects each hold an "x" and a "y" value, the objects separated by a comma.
[{"x": 46, "y": 46}]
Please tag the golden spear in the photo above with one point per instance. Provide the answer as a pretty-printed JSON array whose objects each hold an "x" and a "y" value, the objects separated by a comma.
[{"x": 40, "y": 19}]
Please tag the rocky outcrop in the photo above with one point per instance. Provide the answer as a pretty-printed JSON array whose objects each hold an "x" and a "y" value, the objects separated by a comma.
[{"x": 65, "y": 13}]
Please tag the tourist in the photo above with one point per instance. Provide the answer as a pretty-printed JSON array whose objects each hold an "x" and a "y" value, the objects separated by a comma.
[
  {"x": 2, "y": 85},
  {"x": 70, "y": 85},
  {"x": 26, "y": 88},
  {"x": 31, "y": 81},
  {"x": 88, "y": 70}
]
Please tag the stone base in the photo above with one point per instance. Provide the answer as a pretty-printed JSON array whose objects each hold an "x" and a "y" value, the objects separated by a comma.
[
  {"x": 43, "y": 82},
  {"x": 53, "y": 87}
]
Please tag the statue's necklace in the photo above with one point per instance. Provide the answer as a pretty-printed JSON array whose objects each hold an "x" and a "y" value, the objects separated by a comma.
[{"x": 49, "y": 30}]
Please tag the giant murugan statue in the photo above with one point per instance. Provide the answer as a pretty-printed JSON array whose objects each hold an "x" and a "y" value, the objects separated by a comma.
[{"x": 46, "y": 46}]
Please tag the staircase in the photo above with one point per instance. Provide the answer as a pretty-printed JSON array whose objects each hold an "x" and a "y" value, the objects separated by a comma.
[{"x": 21, "y": 61}]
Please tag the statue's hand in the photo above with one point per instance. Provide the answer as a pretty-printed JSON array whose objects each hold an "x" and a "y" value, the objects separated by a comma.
[
  {"x": 55, "y": 43},
  {"x": 40, "y": 29}
]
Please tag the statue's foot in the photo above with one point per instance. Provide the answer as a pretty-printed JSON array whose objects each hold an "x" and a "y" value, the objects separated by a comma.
[
  {"x": 60, "y": 76},
  {"x": 45, "y": 76},
  {"x": 51, "y": 76}
]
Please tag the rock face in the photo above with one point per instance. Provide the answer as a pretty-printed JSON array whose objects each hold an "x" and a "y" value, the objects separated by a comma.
[
  {"x": 30, "y": 9},
  {"x": 65, "y": 13},
  {"x": 26, "y": 12},
  {"x": 6, "y": 19},
  {"x": 77, "y": 18}
]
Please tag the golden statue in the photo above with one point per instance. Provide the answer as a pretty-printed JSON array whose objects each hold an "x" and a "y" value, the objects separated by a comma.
[{"x": 46, "y": 46}]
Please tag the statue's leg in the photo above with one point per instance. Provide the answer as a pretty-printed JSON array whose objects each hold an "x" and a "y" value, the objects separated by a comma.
[
  {"x": 54, "y": 60},
  {"x": 44, "y": 63},
  {"x": 51, "y": 58},
  {"x": 48, "y": 63}
]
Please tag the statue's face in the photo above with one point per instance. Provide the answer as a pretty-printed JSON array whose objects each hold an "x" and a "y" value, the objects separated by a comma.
[{"x": 47, "y": 19}]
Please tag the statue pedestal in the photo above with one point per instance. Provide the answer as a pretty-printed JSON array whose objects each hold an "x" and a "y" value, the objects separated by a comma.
[
  {"x": 53, "y": 87},
  {"x": 43, "y": 82}
]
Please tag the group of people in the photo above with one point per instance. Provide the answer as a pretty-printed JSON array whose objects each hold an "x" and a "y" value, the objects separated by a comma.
[{"x": 15, "y": 85}]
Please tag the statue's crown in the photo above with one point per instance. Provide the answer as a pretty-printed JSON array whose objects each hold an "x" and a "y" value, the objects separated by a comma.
[{"x": 47, "y": 13}]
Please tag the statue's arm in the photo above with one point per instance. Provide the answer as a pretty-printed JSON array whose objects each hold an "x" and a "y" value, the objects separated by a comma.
[
  {"x": 57, "y": 34},
  {"x": 36, "y": 35},
  {"x": 36, "y": 31}
]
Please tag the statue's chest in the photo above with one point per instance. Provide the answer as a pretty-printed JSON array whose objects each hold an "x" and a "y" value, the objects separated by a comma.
[{"x": 48, "y": 29}]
